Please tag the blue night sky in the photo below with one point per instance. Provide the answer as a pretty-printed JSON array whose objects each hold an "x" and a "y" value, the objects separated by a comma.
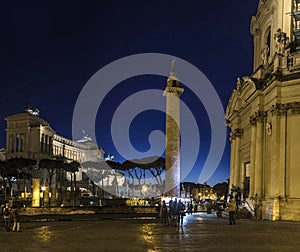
[{"x": 49, "y": 50}]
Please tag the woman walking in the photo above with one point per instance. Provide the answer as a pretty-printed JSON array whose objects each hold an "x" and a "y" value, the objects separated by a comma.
[
  {"x": 16, "y": 219},
  {"x": 232, "y": 209}
]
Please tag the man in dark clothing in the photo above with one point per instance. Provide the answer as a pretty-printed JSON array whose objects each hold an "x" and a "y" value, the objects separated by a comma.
[{"x": 180, "y": 212}]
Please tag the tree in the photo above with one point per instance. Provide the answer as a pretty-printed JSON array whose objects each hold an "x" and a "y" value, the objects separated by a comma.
[
  {"x": 72, "y": 167},
  {"x": 138, "y": 170},
  {"x": 118, "y": 169},
  {"x": 23, "y": 167},
  {"x": 156, "y": 168},
  {"x": 51, "y": 166},
  {"x": 95, "y": 172},
  {"x": 221, "y": 189},
  {"x": 129, "y": 169},
  {"x": 155, "y": 165},
  {"x": 8, "y": 172},
  {"x": 3, "y": 174}
]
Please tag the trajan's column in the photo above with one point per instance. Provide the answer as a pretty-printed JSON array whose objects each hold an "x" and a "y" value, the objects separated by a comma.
[{"x": 172, "y": 92}]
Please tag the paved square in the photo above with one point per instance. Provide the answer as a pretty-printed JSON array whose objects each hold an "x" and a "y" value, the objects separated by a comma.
[{"x": 200, "y": 232}]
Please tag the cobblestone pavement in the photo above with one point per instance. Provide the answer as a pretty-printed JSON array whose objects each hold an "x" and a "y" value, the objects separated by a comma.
[{"x": 200, "y": 232}]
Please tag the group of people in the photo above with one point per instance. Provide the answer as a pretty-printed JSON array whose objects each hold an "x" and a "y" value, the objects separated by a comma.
[
  {"x": 173, "y": 213},
  {"x": 11, "y": 218}
]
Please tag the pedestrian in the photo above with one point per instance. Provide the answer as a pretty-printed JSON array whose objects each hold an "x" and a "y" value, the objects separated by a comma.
[
  {"x": 2, "y": 209},
  {"x": 237, "y": 200},
  {"x": 16, "y": 219},
  {"x": 189, "y": 208},
  {"x": 164, "y": 213},
  {"x": 232, "y": 209},
  {"x": 174, "y": 213},
  {"x": 180, "y": 212},
  {"x": 195, "y": 207},
  {"x": 7, "y": 219}
]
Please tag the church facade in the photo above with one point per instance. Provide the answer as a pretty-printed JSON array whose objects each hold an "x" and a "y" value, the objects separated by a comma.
[{"x": 263, "y": 114}]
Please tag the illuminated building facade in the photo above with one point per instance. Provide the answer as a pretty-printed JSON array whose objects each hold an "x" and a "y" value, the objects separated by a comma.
[
  {"x": 204, "y": 192},
  {"x": 263, "y": 114},
  {"x": 29, "y": 136}
]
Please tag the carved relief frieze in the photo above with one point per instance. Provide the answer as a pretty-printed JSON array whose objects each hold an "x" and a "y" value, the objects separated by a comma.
[{"x": 280, "y": 109}]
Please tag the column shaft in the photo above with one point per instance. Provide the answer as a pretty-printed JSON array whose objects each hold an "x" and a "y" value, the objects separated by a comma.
[
  {"x": 252, "y": 160},
  {"x": 237, "y": 162},
  {"x": 259, "y": 159},
  {"x": 232, "y": 166}
]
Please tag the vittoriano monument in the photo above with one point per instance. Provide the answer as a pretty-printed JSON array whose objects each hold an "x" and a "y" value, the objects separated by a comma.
[{"x": 172, "y": 92}]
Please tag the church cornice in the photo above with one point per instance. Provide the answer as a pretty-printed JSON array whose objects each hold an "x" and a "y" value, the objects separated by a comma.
[
  {"x": 281, "y": 109},
  {"x": 279, "y": 76}
]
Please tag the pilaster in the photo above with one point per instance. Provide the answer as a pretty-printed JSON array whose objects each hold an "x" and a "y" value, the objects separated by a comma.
[
  {"x": 235, "y": 165},
  {"x": 252, "y": 158},
  {"x": 232, "y": 160},
  {"x": 257, "y": 152}
]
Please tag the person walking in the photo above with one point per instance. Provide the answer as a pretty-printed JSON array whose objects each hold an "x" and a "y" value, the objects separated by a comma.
[
  {"x": 174, "y": 213},
  {"x": 180, "y": 212},
  {"x": 7, "y": 219},
  {"x": 164, "y": 213},
  {"x": 195, "y": 207},
  {"x": 16, "y": 219},
  {"x": 232, "y": 209}
]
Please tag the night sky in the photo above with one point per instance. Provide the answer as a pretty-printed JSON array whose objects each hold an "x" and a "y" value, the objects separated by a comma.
[{"x": 50, "y": 49}]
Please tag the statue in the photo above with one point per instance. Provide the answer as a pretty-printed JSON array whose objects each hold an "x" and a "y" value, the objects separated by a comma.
[
  {"x": 281, "y": 41},
  {"x": 85, "y": 138},
  {"x": 172, "y": 73},
  {"x": 264, "y": 55},
  {"x": 30, "y": 110},
  {"x": 239, "y": 84}
]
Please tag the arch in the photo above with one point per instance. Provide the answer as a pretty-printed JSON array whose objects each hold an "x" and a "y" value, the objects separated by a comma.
[
  {"x": 232, "y": 106},
  {"x": 249, "y": 88}
]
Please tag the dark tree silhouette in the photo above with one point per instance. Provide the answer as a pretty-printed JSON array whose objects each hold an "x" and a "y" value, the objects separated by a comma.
[
  {"x": 72, "y": 167},
  {"x": 23, "y": 167},
  {"x": 51, "y": 166}
]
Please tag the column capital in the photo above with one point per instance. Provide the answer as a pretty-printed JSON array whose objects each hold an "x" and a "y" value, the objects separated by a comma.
[
  {"x": 258, "y": 117},
  {"x": 236, "y": 133}
]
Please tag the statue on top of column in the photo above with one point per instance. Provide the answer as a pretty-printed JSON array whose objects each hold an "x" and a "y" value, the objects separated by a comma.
[{"x": 30, "y": 110}]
